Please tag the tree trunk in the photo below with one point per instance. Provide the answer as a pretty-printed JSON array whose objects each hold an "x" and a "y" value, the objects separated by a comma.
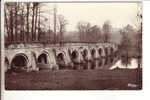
[
  {"x": 16, "y": 16},
  {"x": 27, "y": 34},
  {"x": 39, "y": 33},
  {"x": 11, "y": 26},
  {"x": 32, "y": 28},
  {"x": 36, "y": 14},
  {"x": 7, "y": 27},
  {"x": 22, "y": 27}
]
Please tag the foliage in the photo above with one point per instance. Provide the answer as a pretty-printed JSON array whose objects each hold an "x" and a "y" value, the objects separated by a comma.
[
  {"x": 89, "y": 33},
  {"x": 107, "y": 30},
  {"x": 25, "y": 22},
  {"x": 62, "y": 22}
]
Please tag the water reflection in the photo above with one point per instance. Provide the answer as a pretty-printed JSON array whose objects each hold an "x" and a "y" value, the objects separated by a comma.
[
  {"x": 131, "y": 64},
  {"x": 108, "y": 63}
]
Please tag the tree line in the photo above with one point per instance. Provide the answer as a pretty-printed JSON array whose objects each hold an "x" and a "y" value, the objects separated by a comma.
[
  {"x": 22, "y": 21},
  {"x": 25, "y": 23},
  {"x": 94, "y": 33}
]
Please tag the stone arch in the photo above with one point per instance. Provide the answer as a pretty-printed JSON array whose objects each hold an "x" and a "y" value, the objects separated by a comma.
[
  {"x": 85, "y": 53},
  {"x": 60, "y": 56},
  {"x": 63, "y": 51},
  {"x": 43, "y": 58},
  {"x": 19, "y": 61},
  {"x": 66, "y": 53},
  {"x": 60, "y": 52},
  {"x": 74, "y": 54},
  {"x": 93, "y": 52}
]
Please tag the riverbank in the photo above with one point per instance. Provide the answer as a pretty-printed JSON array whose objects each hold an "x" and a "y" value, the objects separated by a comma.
[{"x": 117, "y": 79}]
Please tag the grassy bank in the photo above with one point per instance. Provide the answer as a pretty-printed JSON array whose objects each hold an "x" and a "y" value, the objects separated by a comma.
[{"x": 74, "y": 80}]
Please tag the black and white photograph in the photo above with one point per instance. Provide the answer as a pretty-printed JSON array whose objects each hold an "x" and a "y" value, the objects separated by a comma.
[{"x": 73, "y": 46}]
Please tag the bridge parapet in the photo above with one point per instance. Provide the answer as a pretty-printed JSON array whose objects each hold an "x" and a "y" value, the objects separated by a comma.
[{"x": 15, "y": 46}]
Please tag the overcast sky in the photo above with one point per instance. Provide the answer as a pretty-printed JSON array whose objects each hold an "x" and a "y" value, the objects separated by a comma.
[{"x": 119, "y": 14}]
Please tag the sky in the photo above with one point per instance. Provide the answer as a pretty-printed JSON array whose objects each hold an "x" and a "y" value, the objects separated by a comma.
[{"x": 119, "y": 14}]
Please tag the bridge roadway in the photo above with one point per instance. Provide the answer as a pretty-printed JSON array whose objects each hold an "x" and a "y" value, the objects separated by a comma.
[{"x": 30, "y": 56}]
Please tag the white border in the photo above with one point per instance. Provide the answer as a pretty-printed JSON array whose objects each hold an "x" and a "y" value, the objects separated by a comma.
[
  {"x": 89, "y": 95},
  {"x": 72, "y": 0},
  {"x": 2, "y": 50}
]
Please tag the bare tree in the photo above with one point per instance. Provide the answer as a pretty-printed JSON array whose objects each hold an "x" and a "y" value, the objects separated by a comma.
[
  {"x": 7, "y": 29},
  {"x": 11, "y": 10},
  {"x": 27, "y": 19},
  {"x": 88, "y": 32},
  {"x": 94, "y": 34},
  {"x": 33, "y": 19},
  {"x": 139, "y": 35},
  {"x": 83, "y": 30},
  {"x": 36, "y": 16},
  {"x": 22, "y": 22},
  {"x": 106, "y": 29},
  {"x": 25, "y": 22},
  {"x": 80, "y": 28},
  {"x": 62, "y": 22}
]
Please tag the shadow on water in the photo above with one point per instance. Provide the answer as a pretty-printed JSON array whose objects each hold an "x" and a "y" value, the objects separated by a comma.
[{"x": 108, "y": 63}]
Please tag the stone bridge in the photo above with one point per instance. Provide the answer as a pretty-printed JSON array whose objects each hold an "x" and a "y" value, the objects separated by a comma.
[{"x": 35, "y": 56}]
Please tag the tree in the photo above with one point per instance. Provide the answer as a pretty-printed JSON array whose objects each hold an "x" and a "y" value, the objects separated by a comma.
[
  {"x": 27, "y": 20},
  {"x": 106, "y": 30},
  {"x": 22, "y": 20},
  {"x": 88, "y": 32},
  {"x": 124, "y": 46},
  {"x": 62, "y": 22},
  {"x": 34, "y": 19},
  {"x": 7, "y": 29},
  {"x": 12, "y": 22},
  {"x": 80, "y": 28},
  {"x": 8, "y": 21},
  {"x": 139, "y": 35},
  {"x": 83, "y": 30},
  {"x": 36, "y": 16},
  {"x": 94, "y": 34},
  {"x": 126, "y": 43}
]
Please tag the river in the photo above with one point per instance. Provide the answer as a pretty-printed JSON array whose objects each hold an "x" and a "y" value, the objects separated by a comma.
[{"x": 108, "y": 63}]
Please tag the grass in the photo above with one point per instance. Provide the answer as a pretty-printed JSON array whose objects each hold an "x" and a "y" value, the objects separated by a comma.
[{"x": 74, "y": 80}]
